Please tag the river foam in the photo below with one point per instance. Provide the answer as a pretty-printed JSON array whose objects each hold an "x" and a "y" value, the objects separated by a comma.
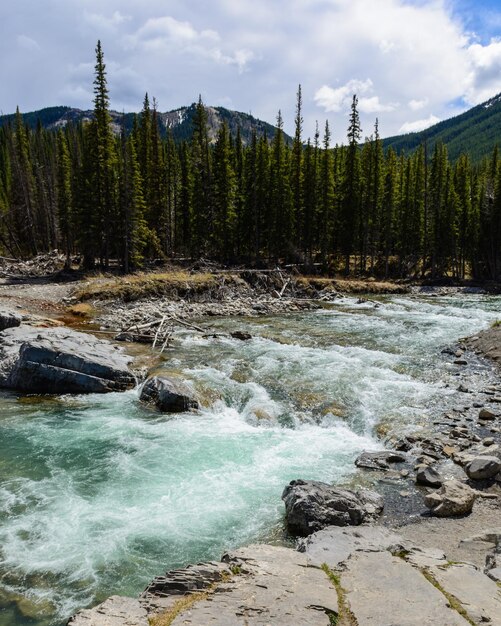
[{"x": 99, "y": 494}]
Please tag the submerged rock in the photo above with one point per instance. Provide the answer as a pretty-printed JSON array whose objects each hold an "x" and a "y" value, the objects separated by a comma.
[
  {"x": 61, "y": 360},
  {"x": 452, "y": 499},
  {"x": 168, "y": 394},
  {"x": 311, "y": 505},
  {"x": 379, "y": 460}
]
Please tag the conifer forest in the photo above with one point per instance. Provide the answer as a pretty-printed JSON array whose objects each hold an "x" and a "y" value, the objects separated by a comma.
[{"x": 105, "y": 196}]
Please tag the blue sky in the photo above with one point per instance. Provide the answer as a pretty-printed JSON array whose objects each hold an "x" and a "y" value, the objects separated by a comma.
[{"x": 411, "y": 62}]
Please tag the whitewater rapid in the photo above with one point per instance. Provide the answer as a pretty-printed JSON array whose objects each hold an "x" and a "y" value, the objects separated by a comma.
[{"x": 98, "y": 493}]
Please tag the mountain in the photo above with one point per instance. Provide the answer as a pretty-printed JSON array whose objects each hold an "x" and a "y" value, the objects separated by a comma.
[
  {"x": 476, "y": 132},
  {"x": 180, "y": 121}
]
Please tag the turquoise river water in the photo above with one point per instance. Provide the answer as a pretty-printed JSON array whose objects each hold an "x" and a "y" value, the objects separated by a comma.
[{"x": 98, "y": 494}]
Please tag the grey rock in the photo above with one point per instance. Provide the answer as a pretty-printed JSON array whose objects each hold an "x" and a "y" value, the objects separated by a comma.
[
  {"x": 262, "y": 585},
  {"x": 429, "y": 477},
  {"x": 379, "y": 460},
  {"x": 382, "y": 589},
  {"x": 452, "y": 499},
  {"x": 9, "y": 320},
  {"x": 334, "y": 545},
  {"x": 312, "y": 505},
  {"x": 114, "y": 611},
  {"x": 483, "y": 467},
  {"x": 168, "y": 395},
  {"x": 477, "y": 593},
  {"x": 487, "y": 414},
  {"x": 61, "y": 360},
  {"x": 187, "y": 580}
]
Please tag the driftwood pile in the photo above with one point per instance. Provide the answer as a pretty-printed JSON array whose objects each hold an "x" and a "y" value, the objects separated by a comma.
[
  {"x": 37, "y": 267},
  {"x": 157, "y": 332}
]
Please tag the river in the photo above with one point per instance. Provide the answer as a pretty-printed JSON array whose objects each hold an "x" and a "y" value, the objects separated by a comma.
[{"x": 99, "y": 494}]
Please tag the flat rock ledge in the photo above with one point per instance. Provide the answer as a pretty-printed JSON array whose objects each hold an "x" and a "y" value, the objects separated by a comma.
[
  {"x": 364, "y": 576},
  {"x": 254, "y": 586},
  {"x": 312, "y": 505},
  {"x": 61, "y": 360}
]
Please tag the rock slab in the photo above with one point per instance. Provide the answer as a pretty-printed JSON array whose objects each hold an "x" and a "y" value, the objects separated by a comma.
[
  {"x": 61, "y": 360},
  {"x": 382, "y": 589},
  {"x": 114, "y": 611},
  {"x": 312, "y": 505}
]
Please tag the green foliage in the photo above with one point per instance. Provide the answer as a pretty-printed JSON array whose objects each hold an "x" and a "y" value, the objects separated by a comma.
[
  {"x": 474, "y": 132},
  {"x": 140, "y": 196}
]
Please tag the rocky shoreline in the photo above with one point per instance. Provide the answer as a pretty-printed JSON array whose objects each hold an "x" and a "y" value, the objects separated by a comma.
[{"x": 340, "y": 575}]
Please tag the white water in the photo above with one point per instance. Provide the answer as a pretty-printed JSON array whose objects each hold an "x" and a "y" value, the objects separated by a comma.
[{"x": 99, "y": 494}]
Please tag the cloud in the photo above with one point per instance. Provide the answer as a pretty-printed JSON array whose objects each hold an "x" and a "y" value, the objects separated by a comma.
[
  {"x": 416, "y": 105},
  {"x": 417, "y": 125},
  {"x": 398, "y": 56},
  {"x": 23, "y": 41},
  {"x": 337, "y": 99},
  {"x": 485, "y": 72}
]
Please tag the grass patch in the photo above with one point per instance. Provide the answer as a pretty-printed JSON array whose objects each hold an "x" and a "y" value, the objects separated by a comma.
[
  {"x": 454, "y": 603},
  {"x": 183, "y": 604},
  {"x": 496, "y": 324},
  {"x": 138, "y": 286},
  {"x": 344, "y": 617}
]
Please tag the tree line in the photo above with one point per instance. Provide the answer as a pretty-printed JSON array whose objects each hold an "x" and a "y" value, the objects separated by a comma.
[{"x": 96, "y": 191}]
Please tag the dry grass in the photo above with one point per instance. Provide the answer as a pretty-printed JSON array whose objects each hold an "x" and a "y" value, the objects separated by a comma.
[
  {"x": 137, "y": 286},
  {"x": 183, "y": 604}
]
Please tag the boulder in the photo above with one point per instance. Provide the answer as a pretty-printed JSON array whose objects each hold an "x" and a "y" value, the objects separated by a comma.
[
  {"x": 483, "y": 467},
  {"x": 452, "y": 499},
  {"x": 487, "y": 414},
  {"x": 168, "y": 395},
  {"x": 379, "y": 460},
  {"x": 428, "y": 476},
  {"x": 311, "y": 505},
  {"x": 61, "y": 360},
  {"x": 9, "y": 320}
]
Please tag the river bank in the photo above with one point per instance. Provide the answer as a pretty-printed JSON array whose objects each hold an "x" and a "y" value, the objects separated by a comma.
[{"x": 334, "y": 407}]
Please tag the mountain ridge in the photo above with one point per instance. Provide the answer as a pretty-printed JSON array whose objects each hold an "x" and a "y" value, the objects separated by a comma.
[
  {"x": 179, "y": 121},
  {"x": 476, "y": 132}
]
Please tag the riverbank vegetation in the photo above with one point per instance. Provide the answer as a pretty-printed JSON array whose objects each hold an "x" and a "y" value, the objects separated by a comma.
[{"x": 105, "y": 196}]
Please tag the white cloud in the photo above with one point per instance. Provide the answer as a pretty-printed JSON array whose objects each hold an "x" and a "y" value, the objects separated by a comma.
[
  {"x": 100, "y": 21},
  {"x": 253, "y": 53},
  {"x": 337, "y": 99},
  {"x": 417, "y": 125},
  {"x": 485, "y": 74},
  {"x": 23, "y": 41},
  {"x": 373, "y": 105}
]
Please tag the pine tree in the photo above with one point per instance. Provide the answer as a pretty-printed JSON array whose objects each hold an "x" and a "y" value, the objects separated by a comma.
[
  {"x": 202, "y": 214},
  {"x": 64, "y": 195},
  {"x": 99, "y": 202},
  {"x": 280, "y": 232},
  {"x": 326, "y": 198},
  {"x": 297, "y": 172},
  {"x": 224, "y": 196},
  {"x": 351, "y": 188}
]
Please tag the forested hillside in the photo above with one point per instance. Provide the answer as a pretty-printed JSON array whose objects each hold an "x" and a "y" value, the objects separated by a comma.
[
  {"x": 134, "y": 196},
  {"x": 179, "y": 122},
  {"x": 475, "y": 132}
]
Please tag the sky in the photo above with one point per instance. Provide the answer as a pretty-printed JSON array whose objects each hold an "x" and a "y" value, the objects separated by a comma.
[{"x": 410, "y": 62}]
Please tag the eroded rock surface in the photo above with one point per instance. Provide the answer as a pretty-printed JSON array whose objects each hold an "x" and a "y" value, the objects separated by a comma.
[
  {"x": 114, "y": 611},
  {"x": 61, "y": 360},
  {"x": 311, "y": 505}
]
